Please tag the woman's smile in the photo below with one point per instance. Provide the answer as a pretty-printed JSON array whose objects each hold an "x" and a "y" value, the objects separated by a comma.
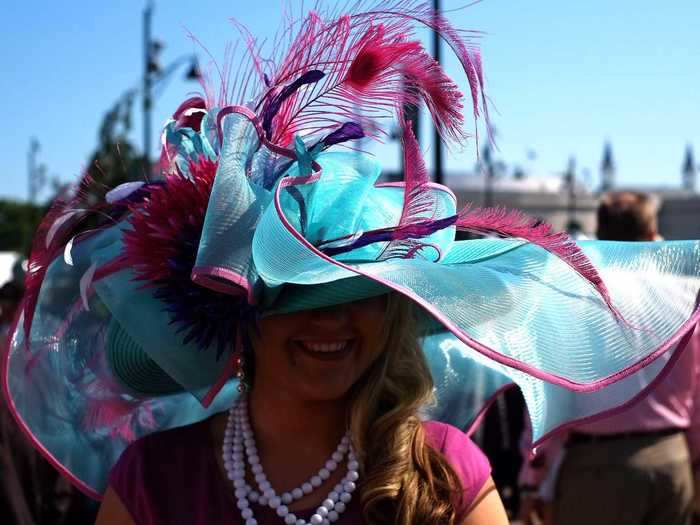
[
  {"x": 325, "y": 350},
  {"x": 319, "y": 354}
]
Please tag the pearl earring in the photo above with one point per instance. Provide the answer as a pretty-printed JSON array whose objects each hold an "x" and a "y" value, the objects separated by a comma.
[{"x": 240, "y": 374}]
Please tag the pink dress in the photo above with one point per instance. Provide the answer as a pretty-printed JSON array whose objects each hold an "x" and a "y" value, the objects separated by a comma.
[{"x": 173, "y": 478}]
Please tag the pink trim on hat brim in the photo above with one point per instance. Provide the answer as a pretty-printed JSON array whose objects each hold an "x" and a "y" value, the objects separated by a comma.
[
  {"x": 476, "y": 422},
  {"x": 465, "y": 338},
  {"x": 612, "y": 412},
  {"x": 225, "y": 375},
  {"x": 111, "y": 267},
  {"x": 202, "y": 275},
  {"x": 78, "y": 483}
]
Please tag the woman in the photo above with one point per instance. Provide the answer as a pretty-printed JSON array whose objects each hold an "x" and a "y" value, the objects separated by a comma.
[
  {"x": 266, "y": 251},
  {"x": 353, "y": 369}
]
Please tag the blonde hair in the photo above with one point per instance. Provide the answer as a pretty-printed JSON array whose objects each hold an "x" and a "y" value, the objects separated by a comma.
[{"x": 405, "y": 480}]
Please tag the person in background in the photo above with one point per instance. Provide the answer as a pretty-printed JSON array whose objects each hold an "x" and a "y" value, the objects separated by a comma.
[
  {"x": 637, "y": 467},
  {"x": 10, "y": 296}
]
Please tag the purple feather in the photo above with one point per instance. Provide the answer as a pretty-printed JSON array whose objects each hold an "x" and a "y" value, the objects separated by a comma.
[
  {"x": 348, "y": 131},
  {"x": 274, "y": 105},
  {"x": 416, "y": 230}
]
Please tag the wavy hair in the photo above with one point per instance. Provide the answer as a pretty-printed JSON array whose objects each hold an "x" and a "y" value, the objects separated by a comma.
[{"x": 405, "y": 480}]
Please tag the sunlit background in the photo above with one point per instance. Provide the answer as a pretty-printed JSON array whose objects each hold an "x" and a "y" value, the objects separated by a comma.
[
  {"x": 564, "y": 78},
  {"x": 586, "y": 96}
]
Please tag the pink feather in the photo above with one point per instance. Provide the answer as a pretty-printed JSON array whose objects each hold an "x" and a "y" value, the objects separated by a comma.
[
  {"x": 367, "y": 58},
  {"x": 160, "y": 218},
  {"x": 392, "y": 12},
  {"x": 418, "y": 198},
  {"x": 190, "y": 113},
  {"x": 418, "y": 202},
  {"x": 115, "y": 415}
]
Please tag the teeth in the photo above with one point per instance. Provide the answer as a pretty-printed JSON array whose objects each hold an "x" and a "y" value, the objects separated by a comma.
[{"x": 325, "y": 347}]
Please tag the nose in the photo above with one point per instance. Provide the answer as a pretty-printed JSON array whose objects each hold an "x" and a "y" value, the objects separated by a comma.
[{"x": 329, "y": 318}]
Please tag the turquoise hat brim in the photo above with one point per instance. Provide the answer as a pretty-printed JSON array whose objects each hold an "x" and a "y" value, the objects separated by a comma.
[
  {"x": 525, "y": 310},
  {"x": 295, "y": 298}
]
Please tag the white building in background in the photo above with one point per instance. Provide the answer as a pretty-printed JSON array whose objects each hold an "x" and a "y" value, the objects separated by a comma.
[
  {"x": 550, "y": 198},
  {"x": 7, "y": 264},
  {"x": 679, "y": 215},
  {"x": 545, "y": 197}
]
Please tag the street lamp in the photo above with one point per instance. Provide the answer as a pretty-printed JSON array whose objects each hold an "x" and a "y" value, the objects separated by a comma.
[
  {"x": 570, "y": 184},
  {"x": 489, "y": 171},
  {"x": 36, "y": 172},
  {"x": 153, "y": 74},
  {"x": 439, "y": 176}
]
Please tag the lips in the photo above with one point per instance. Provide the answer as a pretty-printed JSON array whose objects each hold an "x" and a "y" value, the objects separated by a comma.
[
  {"x": 326, "y": 350},
  {"x": 324, "y": 347}
]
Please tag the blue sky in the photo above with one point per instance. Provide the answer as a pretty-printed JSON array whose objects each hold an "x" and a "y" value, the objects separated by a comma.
[{"x": 564, "y": 77}]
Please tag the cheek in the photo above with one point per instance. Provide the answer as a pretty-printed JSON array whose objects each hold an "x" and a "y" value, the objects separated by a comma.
[
  {"x": 270, "y": 340},
  {"x": 369, "y": 316}
]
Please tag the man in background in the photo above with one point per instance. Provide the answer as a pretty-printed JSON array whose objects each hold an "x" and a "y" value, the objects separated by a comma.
[{"x": 637, "y": 467}]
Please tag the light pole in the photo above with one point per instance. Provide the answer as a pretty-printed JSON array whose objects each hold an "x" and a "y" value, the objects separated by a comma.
[
  {"x": 570, "y": 182},
  {"x": 689, "y": 171},
  {"x": 36, "y": 173},
  {"x": 607, "y": 169},
  {"x": 489, "y": 175},
  {"x": 439, "y": 176},
  {"x": 149, "y": 69},
  {"x": 153, "y": 73}
]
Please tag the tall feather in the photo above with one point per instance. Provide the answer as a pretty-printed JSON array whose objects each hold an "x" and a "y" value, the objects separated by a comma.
[
  {"x": 367, "y": 60},
  {"x": 418, "y": 200},
  {"x": 513, "y": 223},
  {"x": 393, "y": 12}
]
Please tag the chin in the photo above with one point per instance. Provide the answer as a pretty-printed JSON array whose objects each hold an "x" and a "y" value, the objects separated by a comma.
[{"x": 328, "y": 392}]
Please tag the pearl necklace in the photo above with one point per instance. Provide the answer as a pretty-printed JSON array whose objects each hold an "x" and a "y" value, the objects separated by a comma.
[{"x": 239, "y": 439}]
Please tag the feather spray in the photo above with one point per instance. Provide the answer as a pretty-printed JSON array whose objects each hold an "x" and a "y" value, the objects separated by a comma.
[{"x": 354, "y": 69}]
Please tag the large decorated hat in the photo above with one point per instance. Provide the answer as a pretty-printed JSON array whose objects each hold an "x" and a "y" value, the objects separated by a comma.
[{"x": 266, "y": 205}]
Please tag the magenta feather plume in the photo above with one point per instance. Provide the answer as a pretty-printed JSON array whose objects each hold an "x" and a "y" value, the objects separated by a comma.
[
  {"x": 162, "y": 249},
  {"x": 419, "y": 201},
  {"x": 159, "y": 221},
  {"x": 190, "y": 113},
  {"x": 367, "y": 59},
  {"x": 460, "y": 41},
  {"x": 513, "y": 223}
]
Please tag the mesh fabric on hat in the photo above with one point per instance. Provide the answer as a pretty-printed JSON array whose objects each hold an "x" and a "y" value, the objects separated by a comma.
[
  {"x": 77, "y": 411},
  {"x": 524, "y": 308}
]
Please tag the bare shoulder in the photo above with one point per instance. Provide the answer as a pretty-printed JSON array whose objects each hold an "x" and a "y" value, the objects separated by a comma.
[
  {"x": 487, "y": 508},
  {"x": 113, "y": 511}
]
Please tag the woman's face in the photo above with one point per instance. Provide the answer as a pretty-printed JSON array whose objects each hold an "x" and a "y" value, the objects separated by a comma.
[{"x": 317, "y": 355}]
